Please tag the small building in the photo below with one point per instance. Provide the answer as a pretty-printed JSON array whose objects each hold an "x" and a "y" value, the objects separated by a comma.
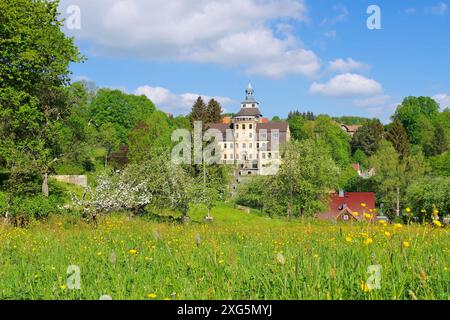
[
  {"x": 350, "y": 206},
  {"x": 351, "y": 130}
]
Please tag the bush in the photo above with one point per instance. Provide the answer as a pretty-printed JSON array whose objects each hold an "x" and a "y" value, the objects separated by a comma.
[{"x": 20, "y": 210}]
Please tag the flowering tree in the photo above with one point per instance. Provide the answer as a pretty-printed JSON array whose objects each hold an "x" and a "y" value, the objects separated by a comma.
[{"x": 157, "y": 182}]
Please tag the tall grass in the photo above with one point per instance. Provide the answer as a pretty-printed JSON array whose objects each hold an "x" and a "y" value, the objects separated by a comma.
[{"x": 239, "y": 256}]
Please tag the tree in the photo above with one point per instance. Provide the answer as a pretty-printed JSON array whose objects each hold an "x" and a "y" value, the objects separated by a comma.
[
  {"x": 109, "y": 139},
  {"x": 399, "y": 138},
  {"x": 151, "y": 135},
  {"x": 417, "y": 114},
  {"x": 296, "y": 125},
  {"x": 393, "y": 175},
  {"x": 198, "y": 112},
  {"x": 439, "y": 144},
  {"x": 426, "y": 195},
  {"x": 304, "y": 180},
  {"x": 122, "y": 110},
  {"x": 368, "y": 137},
  {"x": 34, "y": 69},
  {"x": 214, "y": 111}
]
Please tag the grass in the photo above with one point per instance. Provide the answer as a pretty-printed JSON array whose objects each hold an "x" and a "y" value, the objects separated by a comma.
[{"x": 238, "y": 256}]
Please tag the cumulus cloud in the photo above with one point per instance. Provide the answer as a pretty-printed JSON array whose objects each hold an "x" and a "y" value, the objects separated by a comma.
[
  {"x": 346, "y": 65},
  {"x": 168, "y": 101},
  {"x": 226, "y": 32},
  {"x": 443, "y": 99},
  {"x": 439, "y": 9},
  {"x": 347, "y": 85}
]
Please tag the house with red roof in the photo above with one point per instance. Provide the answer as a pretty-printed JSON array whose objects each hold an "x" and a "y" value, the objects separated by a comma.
[{"x": 350, "y": 206}]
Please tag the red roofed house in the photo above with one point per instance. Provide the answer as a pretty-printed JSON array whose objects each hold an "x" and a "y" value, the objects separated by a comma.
[{"x": 343, "y": 206}]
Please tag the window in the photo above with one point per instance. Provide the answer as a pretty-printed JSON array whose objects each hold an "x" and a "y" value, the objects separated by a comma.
[
  {"x": 263, "y": 155},
  {"x": 251, "y": 135},
  {"x": 231, "y": 146},
  {"x": 257, "y": 145},
  {"x": 231, "y": 156},
  {"x": 244, "y": 146},
  {"x": 250, "y": 157},
  {"x": 253, "y": 105},
  {"x": 225, "y": 146},
  {"x": 237, "y": 127},
  {"x": 270, "y": 155},
  {"x": 250, "y": 126},
  {"x": 237, "y": 135},
  {"x": 225, "y": 156},
  {"x": 237, "y": 157},
  {"x": 250, "y": 145},
  {"x": 243, "y": 127}
]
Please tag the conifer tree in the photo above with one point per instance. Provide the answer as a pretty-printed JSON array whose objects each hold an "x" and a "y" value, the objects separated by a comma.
[
  {"x": 199, "y": 112},
  {"x": 214, "y": 110},
  {"x": 398, "y": 136}
]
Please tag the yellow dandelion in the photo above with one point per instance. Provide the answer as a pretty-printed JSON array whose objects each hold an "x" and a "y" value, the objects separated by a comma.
[
  {"x": 63, "y": 287},
  {"x": 221, "y": 261},
  {"x": 397, "y": 226},
  {"x": 133, "y": 252},
  {"x": 387, "y": 234},
  {"x": 363, "y": 205},
  {"x": 408, "y": 210},
  {"x": 348, "y": 239},
  {"x": 406, "y": 244},
  {"x": 151, "y": 296},
  {"x": 356, "y": 214},
  {"x": 365, "y": 287},
  {"x": 367, "y": 216},
  {"x": 368, "y": 241},
  {"x": 437, "y": 223}
]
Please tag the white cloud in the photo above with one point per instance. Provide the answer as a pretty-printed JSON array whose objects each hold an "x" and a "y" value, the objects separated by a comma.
[
  {"x": 168, "y": 101},
  {"x": 341, "y": 65},
  {"x": 443, "y": 99},
  {"x": 234, "y": 33},
  {"x": 372, "y": 102},
  {"x": 341, "y": 15},
  {"x": 439, "y": 9},
  {"x": 347, "y": 85}
]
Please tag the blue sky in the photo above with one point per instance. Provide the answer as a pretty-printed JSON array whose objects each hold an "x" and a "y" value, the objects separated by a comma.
[{"x": 307, "y": 55}]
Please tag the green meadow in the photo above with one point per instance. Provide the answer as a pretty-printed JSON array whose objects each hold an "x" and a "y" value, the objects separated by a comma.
[{"x": 238, "y": 256}]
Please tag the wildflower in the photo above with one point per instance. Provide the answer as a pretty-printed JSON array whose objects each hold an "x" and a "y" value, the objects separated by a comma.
[
  {"x": 365, "y": 287},
  {"x": 383, "y": 222},
  {"x": 147, "y": 259},
  {"x": 368, "y": 241},
  {"x": 406, "y": 244},
  {"x": 99, "y": 253},
  {"x": 151, "y": 296},
  {"x": 63, "y": 287},
  {"x": 363, "y": 205},
  {"x": 356, "y": 214},
  {"x": 133, "y": 252},
  {"x": 348, "y": 239},
  {"x": 316, "y": 256},
  {"x": 423, "y": 211},
  {"x": 221, "y": 262},
  {"x": 387, "y": 234},
  {"x": 397, "y": 226},
  {"x": 437, "y": 223},
  {"x": 328, "y": 295},
  {"x": 367, "y": 216},
  {"x": 408, "y": 210}
]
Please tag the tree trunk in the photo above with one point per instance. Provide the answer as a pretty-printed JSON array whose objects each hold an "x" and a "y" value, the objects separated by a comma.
[{"x": 45, "y": 184}]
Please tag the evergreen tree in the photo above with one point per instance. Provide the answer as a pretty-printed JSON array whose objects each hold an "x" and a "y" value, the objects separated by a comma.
[
  {"x": 398, "y": 136},
  {"x": 199, "y": 112},
  {"x": 214, "y": 111},
  {"x": 368, "y": 137},
  {"x": 439, "y": 143}
]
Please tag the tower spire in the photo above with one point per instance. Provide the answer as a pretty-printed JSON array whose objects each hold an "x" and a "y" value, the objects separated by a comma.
[{"x": 249, "y": 92}]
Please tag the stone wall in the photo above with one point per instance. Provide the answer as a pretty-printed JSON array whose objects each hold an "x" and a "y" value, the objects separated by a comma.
[{"x": 76, "y": 180}]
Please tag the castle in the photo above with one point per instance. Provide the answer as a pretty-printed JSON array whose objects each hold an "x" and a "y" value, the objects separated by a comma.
[{"x": 251, "y": 141}]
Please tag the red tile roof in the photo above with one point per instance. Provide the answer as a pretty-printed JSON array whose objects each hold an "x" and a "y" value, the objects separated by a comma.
[{"x": 353, "y": 201}]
